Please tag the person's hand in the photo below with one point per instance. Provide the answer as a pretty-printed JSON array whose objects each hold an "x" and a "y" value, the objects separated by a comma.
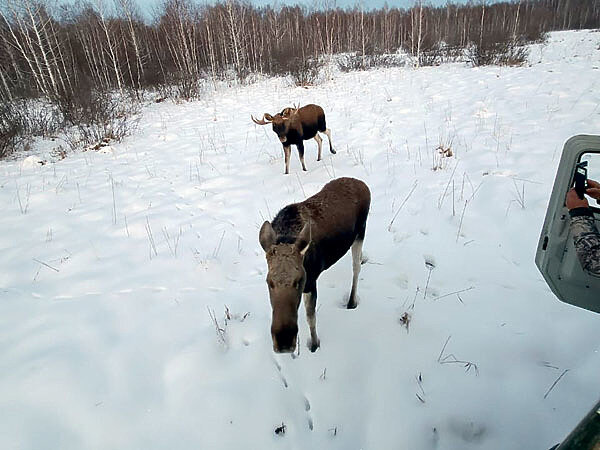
[
  {"x": 573, "y": 201},
  {"x": 593, "y": 189}
]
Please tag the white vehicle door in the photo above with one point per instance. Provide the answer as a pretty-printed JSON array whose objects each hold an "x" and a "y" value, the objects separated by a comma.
[{"x": 556, "y": 257}]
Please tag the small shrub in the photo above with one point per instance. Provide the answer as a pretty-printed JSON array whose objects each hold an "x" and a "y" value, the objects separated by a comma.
[
  {"x": 11, "y": 128},
  {"x": 243, "y": 74},
  {"x": 186, "y": 88},
  {"x": 305, "y": 72},
  {"x": 431, "y": 57},
  {"x": 514, "y": 55},
  {"x": 181, "y": 86},
  {"x": 535, "y": 35},
  {"x": 98, "y": 116},
  {"x": 507, "y": 53},
  {"x": 43, "y": 118},
  {"x": 350, "y": 63},
  {"x": 499, "y": 47},
  {"x": 21, "y": 120},
  {"x": 381, "y": 60}
]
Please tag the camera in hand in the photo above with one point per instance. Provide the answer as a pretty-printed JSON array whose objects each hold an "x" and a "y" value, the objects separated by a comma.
[{"x": 581, "y": 178}]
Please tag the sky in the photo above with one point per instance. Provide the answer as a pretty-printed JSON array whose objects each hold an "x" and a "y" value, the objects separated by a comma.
[{"x": 149, "y": 5}]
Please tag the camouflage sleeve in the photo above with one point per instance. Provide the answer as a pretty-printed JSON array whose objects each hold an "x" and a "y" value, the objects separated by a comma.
[{"x": 587, "y": 239}]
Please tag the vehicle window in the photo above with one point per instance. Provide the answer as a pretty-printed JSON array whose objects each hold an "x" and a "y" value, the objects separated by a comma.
[{"x": 593, "y": 173}]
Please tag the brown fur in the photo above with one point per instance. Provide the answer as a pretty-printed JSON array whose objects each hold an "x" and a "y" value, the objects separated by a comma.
[
  {"x": 293, "y": 126},
  {"x": 304, "y": 240}
]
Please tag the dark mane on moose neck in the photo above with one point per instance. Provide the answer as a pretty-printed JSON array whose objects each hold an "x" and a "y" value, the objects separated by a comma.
[{"x": 288, "y": 224}]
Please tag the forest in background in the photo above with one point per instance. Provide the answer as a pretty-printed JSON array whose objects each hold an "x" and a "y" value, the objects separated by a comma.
[{"x": 90, "y": 64}]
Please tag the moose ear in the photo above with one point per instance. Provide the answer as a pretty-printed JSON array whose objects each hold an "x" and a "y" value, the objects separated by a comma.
[
  {"x": 303, "y": 240},
  {"x": 266, "y": 236},
  {"x": 269, "y": 117}
]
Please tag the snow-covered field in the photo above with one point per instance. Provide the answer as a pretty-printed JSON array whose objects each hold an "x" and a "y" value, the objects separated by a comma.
[{"x": 113, "y": 264}]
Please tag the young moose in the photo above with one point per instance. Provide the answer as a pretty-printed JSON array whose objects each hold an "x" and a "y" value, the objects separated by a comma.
[
  {"x": 304, "y": 240},
  {"x": 295, "y": 125}
]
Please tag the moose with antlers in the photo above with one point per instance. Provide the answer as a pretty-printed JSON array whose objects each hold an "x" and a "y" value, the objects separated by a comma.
[{"x": 296, "y": 125}]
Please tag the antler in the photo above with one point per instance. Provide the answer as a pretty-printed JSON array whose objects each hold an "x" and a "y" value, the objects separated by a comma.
[
  {"x": 262, "y": 121},
  {"x": 289, "y": 111}
]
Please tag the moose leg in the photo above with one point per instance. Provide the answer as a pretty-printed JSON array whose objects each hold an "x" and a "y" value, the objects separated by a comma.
[
  {"x": 287, "y": 151},
  {"x": 319, "y": 140},
  {"x": 310, "y": 303},
  {"x": 356, "y": 263},
  {"x": 300, "y": 148},
  {"x": 328, "y": 133}
]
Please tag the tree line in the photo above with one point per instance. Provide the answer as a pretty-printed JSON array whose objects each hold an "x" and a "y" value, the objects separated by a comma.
[{"x": 70, "y": 53}]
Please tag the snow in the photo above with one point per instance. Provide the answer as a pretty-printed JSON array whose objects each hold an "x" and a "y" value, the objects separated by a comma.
[
  {"x": 32, "y": 161},
  {"x": 113, "y": 264}
]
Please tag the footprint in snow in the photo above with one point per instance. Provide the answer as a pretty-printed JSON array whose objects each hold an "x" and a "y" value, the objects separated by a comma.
[
  {"x": 468, "y": 431},
  {"x": 281, "y": 376},
  {"x": 306, "y": 404},
  {"x": 305, "y": 400}
]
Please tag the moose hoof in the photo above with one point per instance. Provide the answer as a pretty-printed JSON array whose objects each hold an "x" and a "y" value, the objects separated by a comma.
[
  {"x": 333, "y": 151},
  {"x": 304, "y": 169},
  {"x": 313, "y": 346},
  {"x": 351, "y": 304}
]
